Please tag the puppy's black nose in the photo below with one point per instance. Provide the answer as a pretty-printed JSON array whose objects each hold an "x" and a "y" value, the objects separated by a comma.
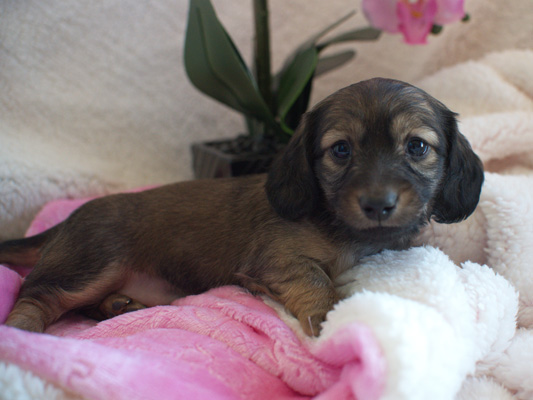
[{"x": 379, "y": 208}]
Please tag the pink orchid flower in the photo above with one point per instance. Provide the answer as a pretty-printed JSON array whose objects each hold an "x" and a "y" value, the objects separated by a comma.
[{"x": 413, "y": 18}]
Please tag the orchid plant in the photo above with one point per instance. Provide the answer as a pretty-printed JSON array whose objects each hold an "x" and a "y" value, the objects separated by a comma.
[
  {"x": 272, "y": 103},
  {"x": 415, "y": 19}
]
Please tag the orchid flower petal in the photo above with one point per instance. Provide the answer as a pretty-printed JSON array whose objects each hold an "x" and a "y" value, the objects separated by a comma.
[
  {"x": 416, "y": 19},
  {"x": 413, "y": 18},
  {"x": 382, "y": 14},
  {"x": 449, "y": 11}
]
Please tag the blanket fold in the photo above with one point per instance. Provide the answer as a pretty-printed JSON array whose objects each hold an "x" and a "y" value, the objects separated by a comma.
[{"x": 226, "y": 342}]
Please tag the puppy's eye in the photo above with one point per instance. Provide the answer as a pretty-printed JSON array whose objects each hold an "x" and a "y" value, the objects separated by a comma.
[
  {"x": 417, "y": 148},
  {"x": 341, "y": 150}
]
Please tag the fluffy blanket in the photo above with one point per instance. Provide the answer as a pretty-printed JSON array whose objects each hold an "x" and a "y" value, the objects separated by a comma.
[{"x": 413, "y": 324}]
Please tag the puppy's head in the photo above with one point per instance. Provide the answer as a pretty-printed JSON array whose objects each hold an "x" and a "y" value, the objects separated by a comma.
[{"x": 380, "y": 154}]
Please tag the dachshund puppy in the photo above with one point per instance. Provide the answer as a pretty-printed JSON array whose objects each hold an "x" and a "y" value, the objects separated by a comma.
[{"x": 365, "y": 170}]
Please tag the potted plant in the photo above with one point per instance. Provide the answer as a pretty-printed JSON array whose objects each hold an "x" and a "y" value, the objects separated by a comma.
[{"x": 271, "y": 103}]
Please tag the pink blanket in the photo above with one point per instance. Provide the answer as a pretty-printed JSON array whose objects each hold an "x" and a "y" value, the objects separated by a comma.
[{"x": 223, "y": 344}]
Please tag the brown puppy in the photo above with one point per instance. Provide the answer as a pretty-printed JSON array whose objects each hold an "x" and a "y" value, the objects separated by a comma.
[{"x": 367, "y": 167}]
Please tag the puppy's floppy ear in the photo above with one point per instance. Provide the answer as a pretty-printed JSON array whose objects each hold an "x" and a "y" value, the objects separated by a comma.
[
  {"x": 461, "y": 185},
  {"x": 291, "y": 186}
]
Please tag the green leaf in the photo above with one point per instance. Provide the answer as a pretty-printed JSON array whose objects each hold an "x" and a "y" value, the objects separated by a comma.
[
  {"x": 327, "y": 63},
  {"x": 294, "y": 80},
  {"x": 313, "y": 39},
  {"x": 363, "y": 34},
  {"x": 311, "y": 42},
  {"x": 299, "y": 107},
  {"x": 215, "y": 66},
  {"x": 293, "y": 83}
]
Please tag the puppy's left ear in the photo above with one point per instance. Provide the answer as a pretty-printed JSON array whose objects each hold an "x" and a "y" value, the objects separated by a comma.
[
  {"x": 461, "y": 185},
  {"x": 291, "y": 186}
]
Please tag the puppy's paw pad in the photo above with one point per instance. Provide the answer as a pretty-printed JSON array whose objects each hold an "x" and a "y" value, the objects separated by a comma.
[{"x": 118, "y": 304}]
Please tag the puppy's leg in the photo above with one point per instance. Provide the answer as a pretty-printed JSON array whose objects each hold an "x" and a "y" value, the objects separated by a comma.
[
  {"x": 308, "y": 293},
  {"x": 305, "y": 290},
  {"x": 43, "y": 297}
]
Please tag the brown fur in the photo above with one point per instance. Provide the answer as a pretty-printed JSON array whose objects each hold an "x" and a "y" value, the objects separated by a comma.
[{"x": 288, "y": 234}]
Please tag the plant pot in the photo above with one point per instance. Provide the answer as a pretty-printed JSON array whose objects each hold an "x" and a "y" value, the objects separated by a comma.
[{"x": 219, "y": 159}]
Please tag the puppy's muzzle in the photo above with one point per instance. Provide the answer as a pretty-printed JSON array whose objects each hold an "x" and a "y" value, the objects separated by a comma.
[{"x": 379, "y": 206}]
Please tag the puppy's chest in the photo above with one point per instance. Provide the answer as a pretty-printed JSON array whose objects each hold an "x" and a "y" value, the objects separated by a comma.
[{"x": 345, "y": 260}]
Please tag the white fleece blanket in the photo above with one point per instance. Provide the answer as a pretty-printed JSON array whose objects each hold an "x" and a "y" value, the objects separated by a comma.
[
  {"x": 448, "y": 332},
  {"x": 494, "y": 97}
]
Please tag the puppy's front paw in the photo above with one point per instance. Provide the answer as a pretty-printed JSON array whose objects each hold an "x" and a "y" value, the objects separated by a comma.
[{"x": 311, "y": 324}]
